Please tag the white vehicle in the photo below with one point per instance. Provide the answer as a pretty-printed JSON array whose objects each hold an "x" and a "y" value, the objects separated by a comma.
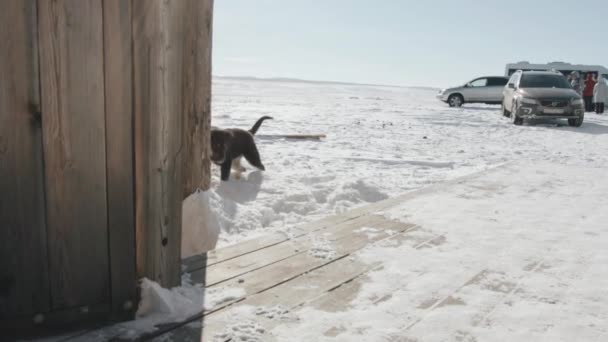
[
  {"x": 480, "y": 90},
  {"x": 564, "y": 68}
]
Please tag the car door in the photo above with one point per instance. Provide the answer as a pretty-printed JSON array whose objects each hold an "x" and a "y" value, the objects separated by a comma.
[
  {"x": 495, "y": 88},
  {"x": 475, "y": 90}
]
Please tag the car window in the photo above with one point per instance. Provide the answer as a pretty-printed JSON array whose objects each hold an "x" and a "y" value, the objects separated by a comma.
[
  {"x": 514, "y": 79},
  {"x": 544, "y": 81},
  {"x": 481, "y": 82},
  {"x": 497, "y": 82}
]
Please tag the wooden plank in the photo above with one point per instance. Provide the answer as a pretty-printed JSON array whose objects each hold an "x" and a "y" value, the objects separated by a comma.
[
  {"x": 158, "y": 46},
  {"x": 340, "y": 298},
  {"x": 235, "y": 267},
  {"x": 308, "y": 288},
  {"x": 72, "y": 92},
  {"x": 197, "y": 95},
  {"x": 292, "y": 136},
  {"x": 119, "y": 157},
  {"x": 24, "y": 283},
  {"x": 286, "y": 270},
  {"x": 223, "y": 254},
  {"x": 296, "y": 292}
]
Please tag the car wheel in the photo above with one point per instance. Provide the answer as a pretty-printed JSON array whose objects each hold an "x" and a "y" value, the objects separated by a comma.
[
  {"x": 514, "y": 118},
  {"x": 576, "y": 122},
  {"x": 455, "y": 100}
]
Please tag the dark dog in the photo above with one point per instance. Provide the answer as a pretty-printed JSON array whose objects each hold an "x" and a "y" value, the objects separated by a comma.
[{"x": 228, "y": 146}]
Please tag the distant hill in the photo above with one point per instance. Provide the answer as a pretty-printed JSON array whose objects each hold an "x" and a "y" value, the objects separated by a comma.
[{"x": 297, "y": 80}]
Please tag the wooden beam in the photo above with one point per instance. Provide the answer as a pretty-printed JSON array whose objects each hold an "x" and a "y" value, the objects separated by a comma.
[
  {"x": 24, "y": 282},
  {"x": 158, "y": 49},
  {"x": 73, "y": 123},
  {"x": 119, "y": 156},
  {"x": 197, "y": 95}
]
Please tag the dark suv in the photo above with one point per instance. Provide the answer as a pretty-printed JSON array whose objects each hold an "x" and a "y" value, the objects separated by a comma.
[{"x": 541, "y": 94}]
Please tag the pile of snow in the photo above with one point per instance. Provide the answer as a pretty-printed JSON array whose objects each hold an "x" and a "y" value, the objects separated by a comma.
[
  {"x": 200, "y": 225},
  {"x": 159, "y": 306}
]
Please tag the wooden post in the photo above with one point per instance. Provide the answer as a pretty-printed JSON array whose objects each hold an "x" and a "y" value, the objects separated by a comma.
[
  {"x": 197, "y": 96},
  {"x": 171, "y": 60}
]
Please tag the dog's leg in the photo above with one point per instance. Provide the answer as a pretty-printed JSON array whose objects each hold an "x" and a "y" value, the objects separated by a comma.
[
  {"x": 236, "y": 165},
  {"x": 226, "y": 169},
  {"x": 253, "y": 157}
]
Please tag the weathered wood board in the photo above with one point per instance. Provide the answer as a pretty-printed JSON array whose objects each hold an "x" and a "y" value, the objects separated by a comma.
[
  {"x": 74, "y": 135},
  {"x": 24, "y": 282},
  {"x": 119, "y": 152}
]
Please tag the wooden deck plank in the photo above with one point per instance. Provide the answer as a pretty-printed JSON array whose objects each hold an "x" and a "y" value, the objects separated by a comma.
[
  {"x": 286, "y": 270},
  {"x": 230, "y": 252},
  {"x": 234, "y": 267},
  {"x": 303, "y": 272},
  {"x": 295, "y": 292},
  {"x": 282, "y": 272},
  {"x": 333, "y": 285}
]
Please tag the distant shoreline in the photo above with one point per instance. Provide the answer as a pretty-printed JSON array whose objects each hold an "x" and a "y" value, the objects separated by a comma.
[{"x": 297, "y": 80}]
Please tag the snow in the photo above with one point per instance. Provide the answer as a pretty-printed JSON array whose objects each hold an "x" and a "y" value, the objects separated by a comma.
[
  {"x": 492, "y": 260},
  {"x": 519, "y": 256},
  {"x": 200, "y": 225},
  {"x": 159, "y": 305},
  {"x": 381, "y": 142}
]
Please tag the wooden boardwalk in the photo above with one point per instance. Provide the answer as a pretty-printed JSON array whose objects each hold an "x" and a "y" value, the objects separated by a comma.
[
  {"x": 281, "y": 271},
  {"x": 310, "y": 266}
]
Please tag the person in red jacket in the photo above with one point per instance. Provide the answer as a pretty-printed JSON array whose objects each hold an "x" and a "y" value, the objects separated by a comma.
[{"x": 588, "y": 92}]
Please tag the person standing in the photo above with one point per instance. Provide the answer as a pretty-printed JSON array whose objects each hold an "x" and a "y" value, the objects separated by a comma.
[
  {"x": 576, "y": 82},
  {"x": 588, "y": 92},
  {"x": 600, "y": 94}
]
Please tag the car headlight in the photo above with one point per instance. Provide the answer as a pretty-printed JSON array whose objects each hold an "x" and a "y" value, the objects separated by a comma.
[
  {"x": 577, "y": 102},
  {"x": 441, "y": 91},
  {"x": 529, "y": 101}
]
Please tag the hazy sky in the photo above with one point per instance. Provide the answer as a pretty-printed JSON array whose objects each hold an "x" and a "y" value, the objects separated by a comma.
[{"x": 402, "y": 42}]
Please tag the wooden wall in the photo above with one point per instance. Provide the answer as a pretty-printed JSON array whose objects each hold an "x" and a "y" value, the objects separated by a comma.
[{"x": 104, "y": 127}]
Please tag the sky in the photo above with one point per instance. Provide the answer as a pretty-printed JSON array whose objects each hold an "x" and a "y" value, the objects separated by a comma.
[{"x": 403, "y": 42}]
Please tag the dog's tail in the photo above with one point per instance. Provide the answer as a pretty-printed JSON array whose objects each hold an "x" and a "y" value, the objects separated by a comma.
[{"x": 258, "y": 123}]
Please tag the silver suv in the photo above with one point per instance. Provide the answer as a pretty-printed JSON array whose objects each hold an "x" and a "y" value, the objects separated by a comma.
[
  {"x": 541, "y": 94},
  {"x": 480, "y": 90}
]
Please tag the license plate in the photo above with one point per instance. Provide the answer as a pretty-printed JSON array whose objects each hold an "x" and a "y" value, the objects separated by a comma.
[{"x": 553, "y": 111}]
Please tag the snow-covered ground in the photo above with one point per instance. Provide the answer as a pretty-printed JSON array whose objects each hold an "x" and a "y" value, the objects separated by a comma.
[
  {"x": 381, "y": 141},
  {"x": 514, "y": 254}
]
